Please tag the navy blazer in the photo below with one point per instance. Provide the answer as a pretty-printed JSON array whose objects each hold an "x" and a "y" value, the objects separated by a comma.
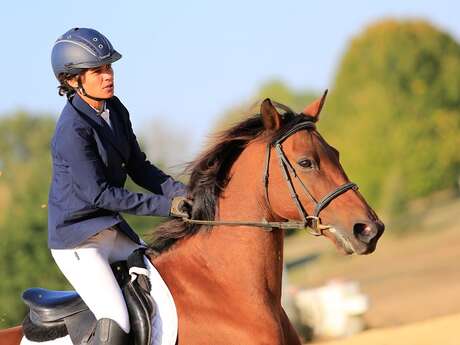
[{"x": 91, "y": 162}]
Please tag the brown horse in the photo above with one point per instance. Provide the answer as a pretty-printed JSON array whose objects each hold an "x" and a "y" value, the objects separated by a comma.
[{"x": 268, "y": 173}]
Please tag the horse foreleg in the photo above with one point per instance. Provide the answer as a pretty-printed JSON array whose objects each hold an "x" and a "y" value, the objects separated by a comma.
[{"x": 11, "y": 336}]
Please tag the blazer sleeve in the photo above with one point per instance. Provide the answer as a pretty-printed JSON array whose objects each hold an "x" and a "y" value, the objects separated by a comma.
[
  {"x": 143, "y": 172},
  {"x": 78, "y": 148}
]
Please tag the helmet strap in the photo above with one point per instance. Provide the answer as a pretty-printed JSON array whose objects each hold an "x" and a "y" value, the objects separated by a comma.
[{"x": 83, "y": 91}]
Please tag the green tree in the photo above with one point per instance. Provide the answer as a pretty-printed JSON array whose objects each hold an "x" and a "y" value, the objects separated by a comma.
[
  {"x": 394, "y": 112},
  {"x": 25, "y": 175}
]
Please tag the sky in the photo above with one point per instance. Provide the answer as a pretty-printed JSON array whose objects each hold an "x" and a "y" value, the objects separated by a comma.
[{"x": 185, "y": 63}]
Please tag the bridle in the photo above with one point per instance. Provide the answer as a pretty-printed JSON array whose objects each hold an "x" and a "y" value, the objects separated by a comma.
[{"x": 312, "y": 222}]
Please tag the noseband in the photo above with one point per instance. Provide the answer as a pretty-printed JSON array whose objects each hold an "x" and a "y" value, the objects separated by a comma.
[{"x": 312, "y": 222}]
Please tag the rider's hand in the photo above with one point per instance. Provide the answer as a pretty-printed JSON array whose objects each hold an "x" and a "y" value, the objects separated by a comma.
[{"x": 181, "y": 207}]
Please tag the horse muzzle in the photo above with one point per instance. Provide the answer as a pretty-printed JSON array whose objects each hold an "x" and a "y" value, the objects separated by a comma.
[{"x": 363, "y": 239}]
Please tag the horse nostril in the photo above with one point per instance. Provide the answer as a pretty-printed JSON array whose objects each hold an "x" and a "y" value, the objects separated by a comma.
[{"x": 365, "y": 232}]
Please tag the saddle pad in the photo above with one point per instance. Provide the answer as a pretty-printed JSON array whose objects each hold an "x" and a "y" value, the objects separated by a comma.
[{"x": 165, "y": 321}]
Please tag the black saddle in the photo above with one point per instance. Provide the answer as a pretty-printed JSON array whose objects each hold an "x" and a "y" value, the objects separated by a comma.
[
  {"x": 48, "y": 305},
  {"x": 54, "y": 314}
]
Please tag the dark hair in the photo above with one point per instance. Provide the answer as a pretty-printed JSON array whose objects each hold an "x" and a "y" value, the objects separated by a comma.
[{"x": 64, "y": 89}]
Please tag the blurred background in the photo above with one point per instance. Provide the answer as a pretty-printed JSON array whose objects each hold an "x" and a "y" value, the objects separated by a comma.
[{"x": 191, "y": 69}]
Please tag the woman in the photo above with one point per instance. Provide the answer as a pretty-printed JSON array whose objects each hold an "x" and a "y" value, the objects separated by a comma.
[{"x": 93, "y": 150}]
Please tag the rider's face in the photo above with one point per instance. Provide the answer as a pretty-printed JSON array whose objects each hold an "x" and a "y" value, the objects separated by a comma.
[{"x": 99, "y": 82}]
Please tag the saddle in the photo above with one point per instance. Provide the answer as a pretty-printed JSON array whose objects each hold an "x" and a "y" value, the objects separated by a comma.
[{"x": 54, "y": 314}]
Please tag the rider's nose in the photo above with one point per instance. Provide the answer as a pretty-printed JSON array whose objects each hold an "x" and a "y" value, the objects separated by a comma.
[{"x": 366, "y": 231}]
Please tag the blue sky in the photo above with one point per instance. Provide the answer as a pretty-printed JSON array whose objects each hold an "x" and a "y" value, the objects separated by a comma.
[{"x": 189, "y": 61}]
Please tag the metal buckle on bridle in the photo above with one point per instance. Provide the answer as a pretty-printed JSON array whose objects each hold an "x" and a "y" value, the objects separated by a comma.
[{"x": 313, "y": 225}]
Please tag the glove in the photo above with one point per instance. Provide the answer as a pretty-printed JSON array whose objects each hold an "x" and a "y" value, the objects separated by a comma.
[{"x": 181, "y": 207}]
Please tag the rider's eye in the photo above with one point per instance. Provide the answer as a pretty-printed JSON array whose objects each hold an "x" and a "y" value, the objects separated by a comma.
[{"x": 306, "y": 163}]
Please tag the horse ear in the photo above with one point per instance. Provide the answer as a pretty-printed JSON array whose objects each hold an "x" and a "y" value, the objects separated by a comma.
[
  {"x": 270, "y": 116},
  {"x": 314, "y": 108}
]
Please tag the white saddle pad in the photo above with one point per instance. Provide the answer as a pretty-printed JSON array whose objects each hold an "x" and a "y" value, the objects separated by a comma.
[{"x": 164, "y": 321}]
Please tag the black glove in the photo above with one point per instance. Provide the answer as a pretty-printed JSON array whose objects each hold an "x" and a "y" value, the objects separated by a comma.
[{"x": 181, "y": 207}]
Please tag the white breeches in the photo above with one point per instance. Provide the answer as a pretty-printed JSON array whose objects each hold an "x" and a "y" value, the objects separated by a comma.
[{"x": 87, "y": 268}]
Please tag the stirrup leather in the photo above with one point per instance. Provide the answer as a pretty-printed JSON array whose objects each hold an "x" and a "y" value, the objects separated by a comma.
[{"x": 138, "y": 299}]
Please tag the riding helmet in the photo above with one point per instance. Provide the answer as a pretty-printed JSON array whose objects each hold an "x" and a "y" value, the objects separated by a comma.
[{"x": 79, "y": 49}]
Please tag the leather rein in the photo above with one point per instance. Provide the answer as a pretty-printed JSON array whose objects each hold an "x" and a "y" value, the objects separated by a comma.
[{"x": 312, "y": 222}]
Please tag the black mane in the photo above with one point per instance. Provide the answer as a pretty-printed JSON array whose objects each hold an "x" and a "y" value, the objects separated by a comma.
[{"x": 209, "y": 175}]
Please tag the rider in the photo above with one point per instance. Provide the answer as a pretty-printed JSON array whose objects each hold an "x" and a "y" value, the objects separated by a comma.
[{"x": 93, "y": 150}]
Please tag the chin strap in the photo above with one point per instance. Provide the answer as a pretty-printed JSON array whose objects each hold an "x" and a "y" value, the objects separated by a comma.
[{"x": 83, "y": 91}]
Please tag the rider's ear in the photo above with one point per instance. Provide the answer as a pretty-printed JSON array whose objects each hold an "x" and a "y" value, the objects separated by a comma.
[
  {"x": 270, "y": 116},
  {"x": 314, "y": 108},
  {"x": 73, "y": 81}
]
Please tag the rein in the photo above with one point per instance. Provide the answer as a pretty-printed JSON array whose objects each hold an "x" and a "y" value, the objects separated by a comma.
[{"x": 312, "y": 222}]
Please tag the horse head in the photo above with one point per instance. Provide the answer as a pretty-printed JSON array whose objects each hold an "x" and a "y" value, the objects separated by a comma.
[
  {"x": 303, "y": 183},
  {"x": 307, "y": 182}
]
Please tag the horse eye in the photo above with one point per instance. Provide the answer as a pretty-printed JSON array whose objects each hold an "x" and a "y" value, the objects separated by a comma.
[{"x": 306, "y": 163}]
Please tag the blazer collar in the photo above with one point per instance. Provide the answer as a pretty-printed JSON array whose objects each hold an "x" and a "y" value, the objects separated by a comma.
[
  {"x": 102, "y": 126},
  {"x": 85, "y": 108}
]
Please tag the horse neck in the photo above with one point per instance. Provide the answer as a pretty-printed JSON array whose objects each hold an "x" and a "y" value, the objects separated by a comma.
[
  {"x": 241, "y": 262},
  {"x": 256, "y": 254}
]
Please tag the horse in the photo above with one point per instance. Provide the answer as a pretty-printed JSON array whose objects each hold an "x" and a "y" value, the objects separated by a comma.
[{"x": 223, "y": 265}]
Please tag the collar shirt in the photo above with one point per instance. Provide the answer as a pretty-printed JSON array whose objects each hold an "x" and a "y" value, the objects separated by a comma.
[{"x": 104, "y": 113}]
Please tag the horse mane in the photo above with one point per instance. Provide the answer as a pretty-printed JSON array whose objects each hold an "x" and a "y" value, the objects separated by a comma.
[{"x": 209, "y": 174}]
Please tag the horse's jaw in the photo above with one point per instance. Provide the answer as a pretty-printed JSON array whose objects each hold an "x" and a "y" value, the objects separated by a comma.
[
  {"x": 342, "y": 243},
  {"x": 349, "y": 246}
]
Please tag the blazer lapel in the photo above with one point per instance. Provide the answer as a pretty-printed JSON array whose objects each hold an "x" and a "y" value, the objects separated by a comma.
[
  {"x": 99, "y": 124},
  {"x": 118, "y": 132}
]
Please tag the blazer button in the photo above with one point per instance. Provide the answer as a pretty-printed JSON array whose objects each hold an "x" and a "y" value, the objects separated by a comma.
[{"x": 123, "y": 165}]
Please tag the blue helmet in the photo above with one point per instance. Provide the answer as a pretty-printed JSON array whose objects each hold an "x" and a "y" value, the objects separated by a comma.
[{"x": 79, "y": 49}]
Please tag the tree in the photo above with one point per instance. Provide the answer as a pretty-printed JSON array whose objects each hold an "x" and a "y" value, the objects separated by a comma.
[
  {"x": 394, "y": 112},
  {"x": 26, "y": 169}
]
